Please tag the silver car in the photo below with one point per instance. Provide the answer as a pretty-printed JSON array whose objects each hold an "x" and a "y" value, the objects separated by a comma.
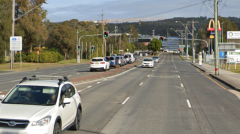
[{"x": 155, "y": 59}]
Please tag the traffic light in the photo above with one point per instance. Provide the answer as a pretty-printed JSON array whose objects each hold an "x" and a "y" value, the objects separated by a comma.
[
  {"x": 105, "y": 34},
  {"x": 161, "y": 39},
  {"x": 93, "y": 48},
  {"x": 79, "y": 47}
]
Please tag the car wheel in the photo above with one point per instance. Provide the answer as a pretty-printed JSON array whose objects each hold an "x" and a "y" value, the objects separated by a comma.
[
  {"x": 57, "y": 128},
  {"x": 76, "y": 125},
  {"x": 105, "y": 69},
  {"x": 91, "y": 70}
]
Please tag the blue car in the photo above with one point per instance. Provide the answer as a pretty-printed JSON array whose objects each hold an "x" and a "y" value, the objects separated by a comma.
[{"x": 113, "y": 61}]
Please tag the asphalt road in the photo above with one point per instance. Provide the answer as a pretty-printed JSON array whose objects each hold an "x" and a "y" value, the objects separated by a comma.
[
  {"x": 9, "y": 79},
  {"x": 172, "y": 98}
]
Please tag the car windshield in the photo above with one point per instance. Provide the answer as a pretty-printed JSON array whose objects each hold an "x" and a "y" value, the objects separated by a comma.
[
  {"x": 32, "y": 95},
  {"x": 97, "y": 59},
  {"x": 109, "y": 58},
  {"x": 155, "y": 57},
  {"x": 147, "y": 60},
  {"x": 125, "y": 56}
]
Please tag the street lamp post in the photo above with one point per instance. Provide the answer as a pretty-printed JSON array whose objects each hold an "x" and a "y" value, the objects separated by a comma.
[
  {"x": 222, "y": 32},
  {"x": 13, "y": 24}
]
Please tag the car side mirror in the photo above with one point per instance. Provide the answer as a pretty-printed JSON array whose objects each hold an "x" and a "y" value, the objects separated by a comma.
[
  {"x": 66, "y": 101},
  {"x": 2, "y": 97}
]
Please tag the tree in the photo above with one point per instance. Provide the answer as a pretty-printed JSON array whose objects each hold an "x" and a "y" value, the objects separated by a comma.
[
  {"x": 5, "y": 27},
  {"x": 155, "y": 45},
  {"x": 31, "y": 26}
]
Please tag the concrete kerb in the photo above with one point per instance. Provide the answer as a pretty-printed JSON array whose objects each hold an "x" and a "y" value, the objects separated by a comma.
[{"x": 198, "y": 67}]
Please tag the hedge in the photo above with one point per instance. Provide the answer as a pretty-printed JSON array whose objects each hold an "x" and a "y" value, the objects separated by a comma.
[{"x": 44, "y": 57}]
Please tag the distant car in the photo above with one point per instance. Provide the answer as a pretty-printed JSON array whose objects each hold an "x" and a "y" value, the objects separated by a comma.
[
  {"x": 113, "y": 61},
  {"x": 131, "y": 57},
  {"x": 114, "y": 55},
  {"x": 175, "y": 52},
  {"x": 40, "y": 105},
  {"x": 99, "y": 63},
  {"x": 121, "y": 60},
  {"x": 155, "y": 58},
  {"x": 148, "y": 62},
  {"x": 127, "y": 57}
]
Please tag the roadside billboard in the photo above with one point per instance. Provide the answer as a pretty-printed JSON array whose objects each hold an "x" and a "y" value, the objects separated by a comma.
[{"x": 233, "y": 34}]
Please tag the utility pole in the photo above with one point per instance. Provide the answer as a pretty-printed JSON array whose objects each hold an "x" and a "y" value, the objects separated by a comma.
[
  {"x": 186, "y": 31},
  {"x": 103, "y": 41},
  {"x": 77, "y": 47},
  {"x": 97, "y": 50},
  {"x": 82, "y": 51},
  {"x": 86, "y": 50},
  {"x": 193, "y": 46},
  {"x": 216, "y": 37},
  {"x": 90, "y": 50},
  {"x": 13, "y": 23},
  {"x": 116, "y": 28},
  {"x": 167, "y": 42}
]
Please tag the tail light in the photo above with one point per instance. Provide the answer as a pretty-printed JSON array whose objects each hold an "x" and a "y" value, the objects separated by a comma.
[
  {"x": 91, "y": 62},
  {"x": 114, "y": 61},
  {"x": 102, "y": 63},
  {"x": 119, "y": 60}
]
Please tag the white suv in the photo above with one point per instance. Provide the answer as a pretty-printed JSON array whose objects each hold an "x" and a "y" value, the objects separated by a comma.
[
  {"x": 99, "y": 63},
  {"x": 40, "y": 105}
]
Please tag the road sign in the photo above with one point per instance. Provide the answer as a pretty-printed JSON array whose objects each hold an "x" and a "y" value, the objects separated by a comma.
[
  {"x": 233, "y": 34},
  {"x": 211, "y": 36},
  {"x": 16, "y": 43}
]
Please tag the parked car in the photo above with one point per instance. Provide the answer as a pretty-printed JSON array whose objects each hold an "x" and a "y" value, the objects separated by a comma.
[
  {"x": 114, "y": 55},
  {"x": 121, "y": 60},
  {"x": 131, "y": 57},
  {"x": 155, "y": 58},
  {"x": 40, "y": 105},
  {"x": 99, "y": 63},
  {"x": 127, "y": 57},
  {"x": 113, "y": 61},
  {"x": 148, "y": 62}
]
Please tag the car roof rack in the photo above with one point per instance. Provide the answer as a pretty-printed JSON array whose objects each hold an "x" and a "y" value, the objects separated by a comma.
[{"x": 37, "y": 77}]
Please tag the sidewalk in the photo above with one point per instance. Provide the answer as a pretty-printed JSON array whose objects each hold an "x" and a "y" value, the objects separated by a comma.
[{"x": 229, "y": 78}]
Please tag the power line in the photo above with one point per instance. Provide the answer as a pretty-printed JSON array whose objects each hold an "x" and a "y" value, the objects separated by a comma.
[{"x": 168, "y": 11}]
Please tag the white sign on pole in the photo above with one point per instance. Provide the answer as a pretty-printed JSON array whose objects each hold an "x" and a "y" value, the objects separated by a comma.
[
  {"x": 200, "y": 58},
  {"x": 16, "y": 43},
  {"x": 233, "y": 34}
]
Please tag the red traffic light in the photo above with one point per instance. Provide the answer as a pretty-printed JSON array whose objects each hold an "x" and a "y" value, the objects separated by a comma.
[
  {"x": 105, "y": 34},
  {"x": 161, "y": 39}
]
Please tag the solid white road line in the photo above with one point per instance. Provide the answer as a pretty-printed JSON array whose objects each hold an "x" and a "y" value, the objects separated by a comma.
[
  {"x": 89, "y": 86},
  {"x": 16, "y": 80},
  {"x": 182, "y": 85},
  {"x": 141, "y": 83},
  {"x": 189, "y": 104},
  {"x": 126, "y": 100}
]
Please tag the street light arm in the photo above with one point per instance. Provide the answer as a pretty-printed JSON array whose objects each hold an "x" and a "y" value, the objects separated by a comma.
[
  {"x": 185, "y": 27},
  {"x": 27, "y": 12},
  {"x": 175, "y": 31},
  {"x": 86, "y": 28},
  {"x": 208, "y": 7}
]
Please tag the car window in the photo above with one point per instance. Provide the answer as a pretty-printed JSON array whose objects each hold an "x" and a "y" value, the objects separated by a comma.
[
  {"x": 32, "y": 95},
  {"x": 109, "y": 58},
  {"x": 70, "y": 91},
  {"x": 147, "y": 60},
  {"x": 97, "y": 59},
  {"x": 63, "y": 94}
]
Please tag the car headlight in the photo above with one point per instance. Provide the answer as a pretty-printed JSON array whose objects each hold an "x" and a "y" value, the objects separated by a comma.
[{"x": 44, "y": 121}]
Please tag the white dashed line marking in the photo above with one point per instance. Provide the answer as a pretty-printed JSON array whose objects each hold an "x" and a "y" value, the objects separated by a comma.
[
  {"x": 16, "y": 80},
  {"x": 148, "y": 75},
  {"x": 141, "y": 83},
  {"x": 98, "y": 82},
  {"x": 189, "y": 104},
  {"x": 178, "y": 76},
  {"x": 79, "y": 90},
  {"x": 182, "y": 85},
  {"x": 69, "y": 75},
  {"x": 78, "y": 73},
  {"x": 89, "y": 86},
  {"x": 126, "y": 100}
]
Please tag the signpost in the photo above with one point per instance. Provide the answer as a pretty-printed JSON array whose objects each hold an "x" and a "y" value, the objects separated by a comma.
[
  {"x": 16, "y": 45},
  {"x": 200, "y": 58}
]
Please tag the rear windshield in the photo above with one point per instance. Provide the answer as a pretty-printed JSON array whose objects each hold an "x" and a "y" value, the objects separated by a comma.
[
  {"x": 109, "y": 58},
  {"x": 155, "y": 57},
  {"x": 147, "y": 60},
  {"x": 97, "y": 59},
  {"x": 126, "y": 56},
  {"x": 130, "y": 55},
  {"x": 117, "y": 57}
]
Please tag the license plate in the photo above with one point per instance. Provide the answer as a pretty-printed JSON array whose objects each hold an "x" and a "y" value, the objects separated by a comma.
[{"x": 96, "y": 63}]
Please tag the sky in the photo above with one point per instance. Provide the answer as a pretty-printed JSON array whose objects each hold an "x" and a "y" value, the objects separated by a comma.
[{"x": 90, "y": 10}]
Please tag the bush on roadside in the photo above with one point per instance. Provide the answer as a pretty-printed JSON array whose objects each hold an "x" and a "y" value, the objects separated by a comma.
[
  {"x": 155, "y": 53},
  {"x": 44, "y": 57}
]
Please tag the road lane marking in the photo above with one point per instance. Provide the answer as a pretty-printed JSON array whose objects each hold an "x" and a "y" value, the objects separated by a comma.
[
  {"x": 126, "y": 100},
  {"x": 98, "y": 82},
  {"x": 152, "y": 70},
  {"x": 148, "y": 75},
  {"x": 214, "y": 81},
  {"x": 178, "y": 76},
  {"x": 78, "y": 73},
  {"x": 189, "y": 104},
  {"x": 89, "y": 86},
  {"x": 182, "y": 85},
  {"x": 141, "y": 83},
  {"x": 16, "y": 80},
  {"x": 79, "y": 90},
  {"x": 69, "y": 75}
]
